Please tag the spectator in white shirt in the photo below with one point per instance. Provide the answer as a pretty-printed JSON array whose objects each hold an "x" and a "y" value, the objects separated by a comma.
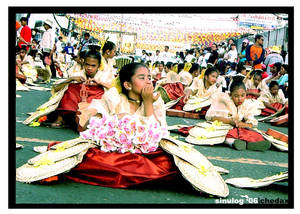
[
  {"x": 232, "y": 54},
  {"x": 59, "y": 45},
  {"x": 47, "y": 45},
  {"x": 189, "y": 57},
  {"x": 166, "y": 55}
]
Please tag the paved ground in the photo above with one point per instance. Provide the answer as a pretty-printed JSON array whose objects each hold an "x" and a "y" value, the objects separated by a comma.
[{"x": 178, "y": 193}]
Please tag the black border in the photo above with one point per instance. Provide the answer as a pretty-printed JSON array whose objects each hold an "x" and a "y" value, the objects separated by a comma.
[{"x": 137, "y": 9}]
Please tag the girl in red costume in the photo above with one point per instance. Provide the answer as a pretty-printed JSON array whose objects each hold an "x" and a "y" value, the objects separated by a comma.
[{"x": 114, "y": 165}]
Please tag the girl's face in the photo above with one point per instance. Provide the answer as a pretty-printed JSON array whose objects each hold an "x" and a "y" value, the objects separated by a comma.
[
  {"x": 282, "y": 70},
  {"x": 238, "y": 96},
  {"x": 211, "y": 78},
  {"x": 273, "y": 70},
  {"x": 160, "y": 67},
  {"x": 256, "y": 80},
  {"x": 274, "y": 90},
  {"x": 111, "y": 53},
  {"x": 91, "y": 66},
  {"x": 22, "y": 53},
  {"x": 196, "y": 73},
  {"x": 140, "y": 79}
]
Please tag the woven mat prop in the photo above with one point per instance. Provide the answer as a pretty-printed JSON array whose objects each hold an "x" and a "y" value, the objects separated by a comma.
[
  {"x": 20, "y": 86},
  {"x": 246, "y": 182},
  {"x": 47, "y": 107},
  {"x": 208, "y": 133},
  {"x": 195, "y": 167},
  {"x": 195, "y": 103},
  {"x": 59, "y": 159}
]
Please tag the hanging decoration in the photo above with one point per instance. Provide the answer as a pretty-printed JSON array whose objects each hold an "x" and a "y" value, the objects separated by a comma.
[{"x": 151, "y": 34}]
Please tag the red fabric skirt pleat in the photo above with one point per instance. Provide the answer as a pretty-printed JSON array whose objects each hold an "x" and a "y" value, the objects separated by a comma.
[
  {"x": 121, "y": 170},
  {"x": 174, "y": 90}
]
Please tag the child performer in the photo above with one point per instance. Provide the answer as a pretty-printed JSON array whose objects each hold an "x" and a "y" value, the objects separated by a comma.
[
  {"x": 236, "y": 110},
  {"x": 273, "y": 100},
  {"x": 203, "y": 87},
  {"x": 255, "y": 86},
  {"x": 83, "y": 88},
  {"x": 122, "y": 168}
]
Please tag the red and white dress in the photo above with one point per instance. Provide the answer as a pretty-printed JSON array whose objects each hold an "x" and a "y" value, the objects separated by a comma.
[{"x": 223, "y": 106}]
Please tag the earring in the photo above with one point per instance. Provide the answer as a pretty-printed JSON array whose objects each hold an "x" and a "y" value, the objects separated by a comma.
[{"x": 129, "y": 88}]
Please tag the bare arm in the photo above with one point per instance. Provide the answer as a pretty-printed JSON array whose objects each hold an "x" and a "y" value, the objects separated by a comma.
[
  {"x": 269, "y": 106},
  {"x": 69, "y": 80},
  {"x": 233, "y": 122}
]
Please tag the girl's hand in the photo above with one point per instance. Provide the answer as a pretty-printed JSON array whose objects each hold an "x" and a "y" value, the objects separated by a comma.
[
  {"x": 147, "y": 94},
  {"x": 77, "y": 79},
  {"x": 186, "y": 97},
  {"x": 121, "y": 115},
  {"x": 91, "y": 82}
]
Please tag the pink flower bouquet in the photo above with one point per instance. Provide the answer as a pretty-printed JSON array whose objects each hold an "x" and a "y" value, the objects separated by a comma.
[{"x": 129, "y": 134}]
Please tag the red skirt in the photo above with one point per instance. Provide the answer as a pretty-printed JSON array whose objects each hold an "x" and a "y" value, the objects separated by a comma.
[
  {"x": 245, "y": 134},
  {"x": 121, "y": 170},
  {"x": 267, "y": 111},
  {"x": 250, "y": 96},
  {"x": 72, "y": 98},
  {"x": 174, "y": 90}
]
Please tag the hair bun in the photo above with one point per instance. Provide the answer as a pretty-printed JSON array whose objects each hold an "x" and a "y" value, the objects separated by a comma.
[{"x": 238, "y": 78}]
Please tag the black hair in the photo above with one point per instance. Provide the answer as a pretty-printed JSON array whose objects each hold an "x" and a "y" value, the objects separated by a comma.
[
  {"x": 191, "y": 51},
  {"x": 209, "y": 71},
  {"x": 23, "y": 48},
  {"x": 169, "y": 65},
  {"x": 240, "y": 67},
  {"x": 181, "y": 54},
  {"x": 286, "y": 67},
  {"x": 258, "y": 36},
  {"x": 244, "y": 47},
  {"x": 93, "y": 54},
  {"x": 180, "y": 67},
  {"x": 24, "y": 19},
  {"x": 278, "y": 66},
  {"x": 273, "y": 83},
  {"x": 161, "y": 62},
  {"x": 59, "y": 37},
  {"x": 167, "y": 47},
  {"x": 108, "y": 46},
  {"x": 127, "y": 72},
  {"x": 87, "y": 34},
  {"x": 257, "y": 73},
  {"x": 237, "y": 84},
  {"x": 195, "y": 66}
]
